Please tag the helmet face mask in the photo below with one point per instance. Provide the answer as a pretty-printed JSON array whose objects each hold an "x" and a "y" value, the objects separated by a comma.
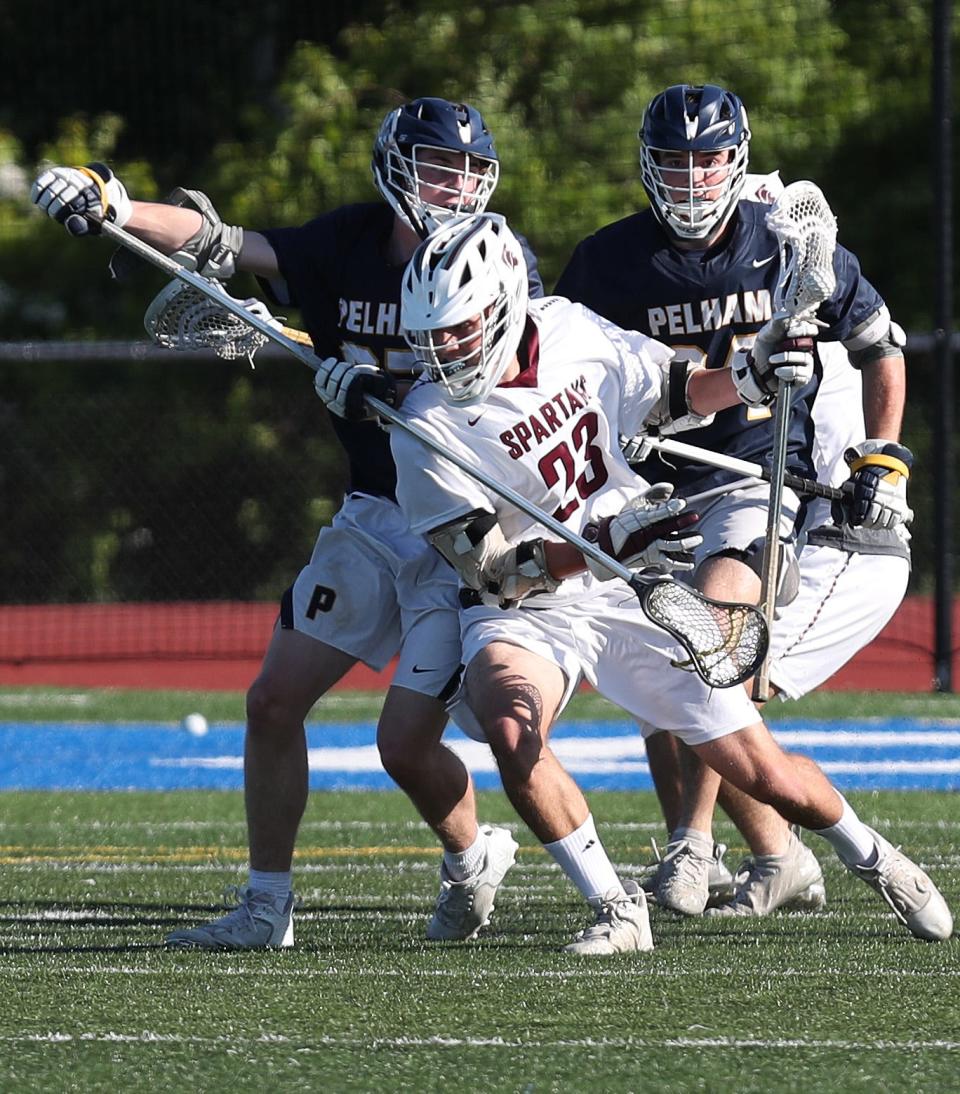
[
  {"x": 433, "y": 161},
  {"x": 693, "y": 158},
  {"x": 464, "y": 305}
]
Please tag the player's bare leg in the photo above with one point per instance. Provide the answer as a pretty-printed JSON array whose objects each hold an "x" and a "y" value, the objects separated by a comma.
[
  {"x": 514, "y": 695},
  {"x": 691, "y": 873},
  {"x": 664, "y": 763},
  {"x": 433, "y": 776},
  {"x": 296, "y": 672},
  {"x": 797, "y": 788}
]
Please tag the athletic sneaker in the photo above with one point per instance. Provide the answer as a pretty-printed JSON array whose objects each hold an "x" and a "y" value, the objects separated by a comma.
[
  {"x": 254, "y": 924},
  {"x": 683, "y": 884},
  {"x": 767, "y": 882},
  {"x": 720, "y": 883},
  {"x": 622, "y": 925},
  {"x": 915, "y": 900},
  {"x": 464, "y": 907}
]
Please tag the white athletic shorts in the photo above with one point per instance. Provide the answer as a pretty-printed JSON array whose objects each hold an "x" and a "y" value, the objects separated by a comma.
[
  {"x": 373, "y": 589},
  {"x": 845, "y": 600},
  {"x": 608, "y": 640},
  {"x": 733, "y": 521}
]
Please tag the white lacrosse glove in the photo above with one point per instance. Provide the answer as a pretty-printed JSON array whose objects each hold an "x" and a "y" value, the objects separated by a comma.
[
  {"x": 342, "y": 385},
  {"x": 650, "y": 530},
  {"x": 878, "y": 471},
  {"x": 80, "y": 198},
  {"x": 521, "y": 572},
  {"x": 783, "y": 351}
]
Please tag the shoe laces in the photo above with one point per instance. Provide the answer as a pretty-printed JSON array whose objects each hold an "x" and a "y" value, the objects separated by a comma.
[
  {"x": 608, "y": 915},
  {"x": 688, "y": 863},
  {"x": 900, "y": 885}
]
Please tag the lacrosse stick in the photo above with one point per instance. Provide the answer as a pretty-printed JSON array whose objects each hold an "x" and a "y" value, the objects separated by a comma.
[
  {"x": 754, "y": 472},
  {"x": 806, "y": 232},
  {"x": 725, "y": 642}
]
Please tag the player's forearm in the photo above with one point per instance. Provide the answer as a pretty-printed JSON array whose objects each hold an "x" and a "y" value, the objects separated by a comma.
[
  {"x": 168, "y": 227},
  {"x": 710, "y": 390},
  {"x": 884, "y": 395}
]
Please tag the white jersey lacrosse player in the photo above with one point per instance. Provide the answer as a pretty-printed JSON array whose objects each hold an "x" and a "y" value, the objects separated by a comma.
[{"x": 538, "y": 392}]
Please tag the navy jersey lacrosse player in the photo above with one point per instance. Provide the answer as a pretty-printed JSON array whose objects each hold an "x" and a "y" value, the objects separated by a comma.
[
  {"x": 697, "y": 271},
  {"x": 372, "y": 589}
]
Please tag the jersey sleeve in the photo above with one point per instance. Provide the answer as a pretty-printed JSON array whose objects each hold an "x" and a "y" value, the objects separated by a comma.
[
  {"x": 642, "y": 363},
  {"x": 431, "y": 491},
  {"x": 300, "y": 255},
  {"x": 854, "y": 307}
]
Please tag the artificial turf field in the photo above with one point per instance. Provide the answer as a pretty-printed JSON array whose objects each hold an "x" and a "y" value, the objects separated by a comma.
[{"x": 841, "y": 1000}]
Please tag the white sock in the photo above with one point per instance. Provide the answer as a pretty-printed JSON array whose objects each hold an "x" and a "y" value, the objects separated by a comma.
[
  {"x": 850, "y": 838},
  {"x": 277, "y": 883},
  {"x": 694, "y": 835},
  {"x": 464, "y": 864},
  {"x": 582, "y": 858}
]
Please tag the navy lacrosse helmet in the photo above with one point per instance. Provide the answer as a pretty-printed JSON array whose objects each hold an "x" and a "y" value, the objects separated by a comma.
[
  {"x": 692, "y": 198},
  {"x": 423, "y": 186}
]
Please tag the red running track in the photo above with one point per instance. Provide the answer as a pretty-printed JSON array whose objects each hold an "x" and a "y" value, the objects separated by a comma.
[{"x": 217, "y": 646}]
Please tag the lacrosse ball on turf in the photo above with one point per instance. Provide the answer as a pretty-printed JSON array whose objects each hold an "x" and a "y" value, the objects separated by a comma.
[{"x": 196, "y": 725}]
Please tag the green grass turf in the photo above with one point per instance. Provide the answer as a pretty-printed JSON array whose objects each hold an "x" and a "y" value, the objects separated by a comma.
[
  {"x": 126, "y": 705},
  {"x": 844, "y": 1000}
]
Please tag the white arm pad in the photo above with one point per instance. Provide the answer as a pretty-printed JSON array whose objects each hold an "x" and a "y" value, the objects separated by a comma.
[
  {"x": 475, "y": 546},
  {"x": 671, "y": 413}
]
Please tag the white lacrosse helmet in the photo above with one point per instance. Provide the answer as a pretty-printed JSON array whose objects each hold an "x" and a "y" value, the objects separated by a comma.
[{"x": 472, "y": 269}]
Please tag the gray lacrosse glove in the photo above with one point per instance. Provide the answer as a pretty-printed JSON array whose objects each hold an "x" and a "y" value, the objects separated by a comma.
[
  {"x": 782, "y": 352},
  {"x": 650, "y": 530},
  {"x": 879, "y": 471},
  {"x": 343, "y": 386},
  {"x": 81, "y": 198}
]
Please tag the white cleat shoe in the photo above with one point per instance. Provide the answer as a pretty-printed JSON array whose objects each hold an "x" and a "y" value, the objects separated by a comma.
[
  {"x": 622, "y": 926},
  {"x": 464, "y": 907},
  {"x": 683, "y": 877},
  {"x": 766, "y": 882},
  {"x": 914, "y": 898},
  {"x": 254, "y": 924}
]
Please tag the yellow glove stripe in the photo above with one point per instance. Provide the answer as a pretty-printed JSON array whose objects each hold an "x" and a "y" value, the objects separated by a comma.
[
  {"x": 878, "y": 459},
  {"x": 101, "y": 186}
]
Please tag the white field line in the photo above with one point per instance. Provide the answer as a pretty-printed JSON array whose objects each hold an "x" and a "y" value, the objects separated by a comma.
[
  {"x": 499, "y": 975},
  {"x": 326, "y": 1042}
]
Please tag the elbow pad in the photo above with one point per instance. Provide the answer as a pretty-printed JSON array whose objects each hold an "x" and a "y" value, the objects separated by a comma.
[
  {"x": 672, "y": 413},
  {"x": 214, "y": 249}
]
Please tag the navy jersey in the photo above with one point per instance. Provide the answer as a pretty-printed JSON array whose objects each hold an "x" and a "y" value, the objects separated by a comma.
[
  {"x": 334, "y": 269},
  {"x": 705, "y": 305}
]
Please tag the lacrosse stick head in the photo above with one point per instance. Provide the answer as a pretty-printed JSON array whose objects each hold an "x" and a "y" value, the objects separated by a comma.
[
  {"x": 806, "y": 232},
  {"x": 181, "y": 317},
  {"x": 726, "y": 643}
]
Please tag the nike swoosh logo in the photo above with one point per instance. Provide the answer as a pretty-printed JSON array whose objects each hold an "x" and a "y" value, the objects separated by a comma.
[
  {"x": 473, "y": 421},
  {"x": 417, "y": 669},
  {"x": 758, "y": 262}
]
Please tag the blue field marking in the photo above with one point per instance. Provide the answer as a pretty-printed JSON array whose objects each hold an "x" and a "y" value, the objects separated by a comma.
[{"x": 866, "y": 755}]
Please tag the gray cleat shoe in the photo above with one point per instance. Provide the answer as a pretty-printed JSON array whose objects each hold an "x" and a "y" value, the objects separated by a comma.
[
  {"x": 914, "y": 898},
  {"x": 254, "y": 924},
  {"x": 766, "y": 882},
  {"x": 683, "y": 878},
  {"x": 622, "y": 926},
  {"x": 464, "y": 907}
]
